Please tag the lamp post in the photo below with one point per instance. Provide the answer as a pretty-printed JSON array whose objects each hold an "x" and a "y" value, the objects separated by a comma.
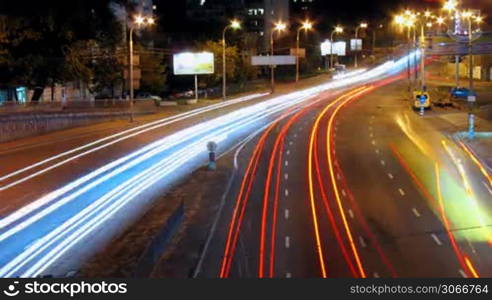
[
  {"x": 280, "y": 26},
  {"x": 235, "y": 24},
  {"x": 451, "y": 6},
  {"x": 338, "y": 29},
  {"x": 307, "y": 25},
  {"x": 363, "y": 26},
  {"x": 139, "y": 21}
]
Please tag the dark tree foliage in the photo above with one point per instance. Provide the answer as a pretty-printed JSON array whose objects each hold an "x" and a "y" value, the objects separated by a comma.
[{"x": 39, "y": 40}]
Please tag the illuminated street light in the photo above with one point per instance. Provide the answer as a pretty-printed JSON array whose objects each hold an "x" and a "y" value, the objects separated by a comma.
[
  {"x": 279, "y": 27},
  {"x": 306, "y": 25},
  {"x": 138, "y": 22},
  {"x": 338, "y": 29},
  {"x": 364, "y": 26},
  {"x": 450, "y": 5},
  {"x": 235, "y": 25}
]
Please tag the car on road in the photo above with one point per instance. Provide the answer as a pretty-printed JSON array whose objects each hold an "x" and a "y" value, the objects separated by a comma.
[
  {"x": 462, "y": 93},
  {"x": 148, "y": 96}
]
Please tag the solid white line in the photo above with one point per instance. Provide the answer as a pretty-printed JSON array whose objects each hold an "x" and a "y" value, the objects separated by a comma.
[
  {"x": 436, "y": 239},
  {"x": 416, "y": 212},
  {"x": 286, "y": 192},
  {"x": 287, "y": 242},
  {"x": 402, "y": 192},
  {"x": 351, "y": 213},
  {"x": 286, "y": 215},
  {"x": 362, "y": 242},
  {"x": 462, "y": 273},
  {"x": 286, "y": 176},
  {"x": 390, "y": 175}
]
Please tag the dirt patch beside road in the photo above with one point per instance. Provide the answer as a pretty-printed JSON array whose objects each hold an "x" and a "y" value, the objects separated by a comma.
[{"x": 201, "y": 194}]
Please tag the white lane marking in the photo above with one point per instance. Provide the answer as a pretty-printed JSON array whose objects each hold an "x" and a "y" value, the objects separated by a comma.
[
  {"x": 351, "y": 213},
  {"x": 462, "y": 273},
  {"x": 370, "y": 128},
  {"x": 373, "y": 142},
  {"x": 362, "y": 242},
  {"x": 288, "y": 152},
  {"x": 344, "y": 194},
  {"x": 402, "y": 192},
  {"x": 291, "y": 143},
  {"x": 288, "y": 275},
  {"x": 287, "y": 242},
  {"x": 377, "y": 151},
  {"x": 371, "y": 135},
  {"x": 436, "y": 239},
  {"x": 286, "y": 176},
  {"x": 295, "y": 135},
  {"x": 286, "y": 214},
  {"x": 487, "y": 187},
  {"x": 286, "y": 163},
  {"x": 286, "y": 192},
  {"x": 390, "y": 175},
  {"x": 376, "y": 275},
  {"x": 338, "y": 176},
  {"x": 416, "y": 212},
  {"x": 383, "y": 162},
  {"x": 372, "y": 117}
]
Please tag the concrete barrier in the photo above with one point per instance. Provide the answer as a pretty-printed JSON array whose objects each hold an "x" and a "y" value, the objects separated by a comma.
[{"x": 159, "y": 243}]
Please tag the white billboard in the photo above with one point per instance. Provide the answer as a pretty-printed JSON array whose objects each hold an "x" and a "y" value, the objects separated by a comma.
[
  {"x": 274, "y": 60},
  {"x": 189, "y": 63},
  {"x": 356, "y": 44},
  {"x": 339, "y": 48}
]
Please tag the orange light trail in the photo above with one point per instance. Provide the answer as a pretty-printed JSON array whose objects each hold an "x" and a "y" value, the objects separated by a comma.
[
  {"x": 319, "y": 246},
  {"x": 329, "y": 136}
]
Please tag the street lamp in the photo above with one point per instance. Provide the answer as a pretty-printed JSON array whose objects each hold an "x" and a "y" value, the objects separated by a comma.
[
  {"x": 279, "y": 27},
  {"x": 338, "y": 29},
  {"x": 306, "y": 25},
  {"x": 234, "y": 24},
  {"x": 138, "y": 22},
  {"x": 363, "y": 26}
]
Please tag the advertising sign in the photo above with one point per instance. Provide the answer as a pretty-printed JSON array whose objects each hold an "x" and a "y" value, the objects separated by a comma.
[
  {"x": 356, "y": 44},
  {"x": 188, "y": 63},
  {"x": 339, "y": 48},
  {"x": 273, "y": 60},
  {"x": 302, "y": 52}
]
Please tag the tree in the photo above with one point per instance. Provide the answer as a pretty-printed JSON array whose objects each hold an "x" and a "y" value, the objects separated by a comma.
[
  {"x": 232, "y": 59},
  {"x": 153, "y": 68}
]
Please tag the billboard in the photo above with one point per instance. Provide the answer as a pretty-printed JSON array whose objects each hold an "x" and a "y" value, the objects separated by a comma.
[
  {"x": 273, "y": 60},
  {"x": 302, "y": 52},
  {"x": 339, "y": 48},
  {"x": 189, "y": 63},
  {"x": 356, "y": 45}
]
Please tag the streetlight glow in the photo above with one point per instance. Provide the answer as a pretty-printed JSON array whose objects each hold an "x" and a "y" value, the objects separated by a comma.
[
  {"x": 363, "y": 25},
  {"x": 280, "y": 26},
  {"x": 339, "y": 29},
  {"x": 235, "y": 24},
  {"x": 450, "y": 5},
  {"x": 139, "y": 20},
  {"x": 307, "y": 25}
]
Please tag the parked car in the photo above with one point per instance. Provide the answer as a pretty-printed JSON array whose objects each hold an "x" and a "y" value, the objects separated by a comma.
[
  {"x": 462, "y": 93},
  {"x": 148, "y": 96}
]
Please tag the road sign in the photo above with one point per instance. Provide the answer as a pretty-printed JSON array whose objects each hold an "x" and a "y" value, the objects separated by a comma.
[
  {"x": 302, "y": 52},
  {"x": 274, "y": 60}
]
